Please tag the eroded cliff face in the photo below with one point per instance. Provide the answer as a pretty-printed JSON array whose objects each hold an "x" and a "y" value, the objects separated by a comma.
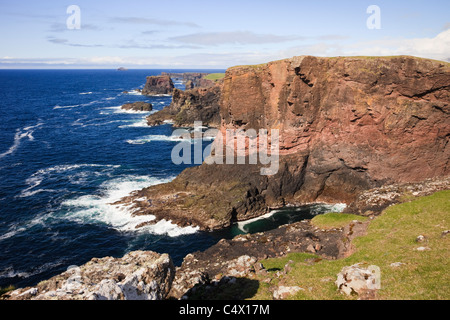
[
  {"x": 346, "y": 125},
  {"x": 198, "y": 104},
  {"x": 358, "y": 122}
]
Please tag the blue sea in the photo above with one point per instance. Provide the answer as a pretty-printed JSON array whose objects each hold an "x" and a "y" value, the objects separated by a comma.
[{"x": 67, "y": 151}]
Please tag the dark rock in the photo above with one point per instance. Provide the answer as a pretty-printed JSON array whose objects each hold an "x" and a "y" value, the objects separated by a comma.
[
  {"x": 157, "y": 85},
  {"x": 199, "y": 104},
  {"x": 138, "y": 106},
  {"x": 347, "y": 125}
]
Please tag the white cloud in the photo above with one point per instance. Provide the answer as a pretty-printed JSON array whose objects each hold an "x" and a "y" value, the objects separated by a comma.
[
  {"x": 233, "y": 37},
  {"x": 153, "y": 21},
  {"x": 433, "y": 48},
  {"x": 437, "y": 47}
]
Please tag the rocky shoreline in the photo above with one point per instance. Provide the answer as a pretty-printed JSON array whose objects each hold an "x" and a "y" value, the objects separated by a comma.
[
  {"x": 367, "y": 131},
  {"x": 325, "y": 110},
  {"x": 148, "y": 275}
]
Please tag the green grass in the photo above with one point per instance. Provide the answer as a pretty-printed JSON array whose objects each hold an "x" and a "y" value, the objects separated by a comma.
[
  {"x": 390, "y": 238},
  {"x": 4, "y": 290},
  {"x": 335, "y": 220},
  {"x": 250, "y": 66},
  {"x": 214, "y": 76}
]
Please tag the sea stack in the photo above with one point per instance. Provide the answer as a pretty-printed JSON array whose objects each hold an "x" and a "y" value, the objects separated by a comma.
[{"x": 157, "y": 85}]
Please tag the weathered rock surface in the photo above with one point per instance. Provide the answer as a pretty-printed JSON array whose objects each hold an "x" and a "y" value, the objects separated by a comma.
[
  {"x": 373, "y": 201},
  {"x": 138, "y": 106},
  {"x": 238, "y": 258},
  {"x": 199, "y": 104},
  {"x": 347, "y": 125},
  {"x": 157, "y": 85},
  {"x": 283, "y": 292},
  {"x": 359, "y": 279},
  {"x": 139, "y": 275},
  {"x": 191, "y": 79}
]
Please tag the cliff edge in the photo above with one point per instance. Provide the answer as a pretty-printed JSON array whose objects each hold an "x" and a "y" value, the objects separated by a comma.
[{"x": 347, "y": 124}]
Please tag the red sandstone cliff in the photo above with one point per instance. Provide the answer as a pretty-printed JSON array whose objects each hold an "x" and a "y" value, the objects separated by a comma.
[{"x": 346, "y": 125}]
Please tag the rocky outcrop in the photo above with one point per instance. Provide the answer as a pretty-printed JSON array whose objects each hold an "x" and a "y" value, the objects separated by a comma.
[
  {"x": 346, "y": 125},
  {"x": 191, "y": 79},
  {"x": 239, "y": 257},
  {"x": 359, "y": 279},
  {"x": 139, "y": 275},
  {"x": 199, "y": 104},
  {"x": 138, "y": 106},
  {"x": 157, "y": 85},
  {"x": 373, "y": 201}
]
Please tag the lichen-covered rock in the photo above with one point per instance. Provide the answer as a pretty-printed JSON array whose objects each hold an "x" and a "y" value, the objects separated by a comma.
[
  {"x": 359, "y": 279},
  {"x": 283, "y": 292},
  {"x": 139, "y": 275}
]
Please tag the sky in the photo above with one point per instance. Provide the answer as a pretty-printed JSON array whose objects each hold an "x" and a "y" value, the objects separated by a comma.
[{"x": 209, "y": 34}]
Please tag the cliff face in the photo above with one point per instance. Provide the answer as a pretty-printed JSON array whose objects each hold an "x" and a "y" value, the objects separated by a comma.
[
  {"x": 198, "y": 104},
  {"x": 346, "y": 125},
  {"x": 158, "y": 85},
  {"x": 356, "y": 122}
]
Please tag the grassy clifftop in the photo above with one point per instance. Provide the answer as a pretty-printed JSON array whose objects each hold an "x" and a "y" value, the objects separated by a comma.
[{"x": 409, "y": 269}]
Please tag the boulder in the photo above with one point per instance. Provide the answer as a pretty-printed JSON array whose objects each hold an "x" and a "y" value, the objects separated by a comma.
[
  {"x": 358, "y": 279},
  {"x": 139, "y": 275},
  {"x": 283, "y": 292}
]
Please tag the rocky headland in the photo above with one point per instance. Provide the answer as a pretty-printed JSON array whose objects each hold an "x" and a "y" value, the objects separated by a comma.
[
  {"x": 191, "y": 79},
  {"x": 199, "y": 104},
  {"x": 158, "y": 85},
  {"x": 347, "y": 125},
  {"x": 365, "y": 131}
]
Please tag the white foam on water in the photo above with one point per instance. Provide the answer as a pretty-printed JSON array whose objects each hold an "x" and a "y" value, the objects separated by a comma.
[
  {"x": 39, "y": 176},
  {"x": 338, "y": 208},
  {"x": 167, "y": 227},
  {"x": 83, "y": 93},
  {"x": 12, "y": 232},
  {"x": 241, "y": 225},
  {"x": 11, "y": 273},
  {"x": 157, "y": 137},
  {"x": 120, "y": 110},
  {"x": 66, "y": 107},
  {"x": 142, "y": 123},
  {"x": 135, "y": 93},
  {"x": 99, "y": 208},
  {"x": 76, "y": 105},
  {"x": 21, "y": 134}
]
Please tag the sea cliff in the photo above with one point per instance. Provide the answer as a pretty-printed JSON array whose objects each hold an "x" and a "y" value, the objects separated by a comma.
[{"x": 347, "y": 124}]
